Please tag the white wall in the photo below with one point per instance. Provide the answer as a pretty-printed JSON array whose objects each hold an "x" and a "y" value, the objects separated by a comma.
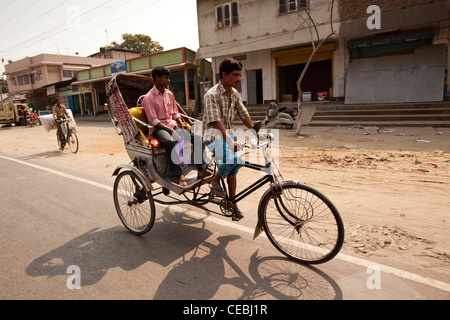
[
  {"x": 417, "y": 77},
  {"x": 255, "y": 60},
  {"x": 260, "y": 27}
]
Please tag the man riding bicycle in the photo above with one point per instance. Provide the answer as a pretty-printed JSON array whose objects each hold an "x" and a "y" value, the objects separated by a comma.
[
  {"x": 59, "y": 113},
  {"x": 222, "y": 102}
]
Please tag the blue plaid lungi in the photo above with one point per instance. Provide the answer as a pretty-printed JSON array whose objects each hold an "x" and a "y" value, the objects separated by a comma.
[{"x": 228, "y": 162}]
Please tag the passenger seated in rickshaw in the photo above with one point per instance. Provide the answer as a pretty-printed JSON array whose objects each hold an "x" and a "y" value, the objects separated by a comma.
[{"x": 162, "y": 114}]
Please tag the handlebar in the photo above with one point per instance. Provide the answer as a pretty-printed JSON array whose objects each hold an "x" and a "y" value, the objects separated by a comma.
[
  {"x": 63, "y": 120},
  {"x": 254, "y": 143}
]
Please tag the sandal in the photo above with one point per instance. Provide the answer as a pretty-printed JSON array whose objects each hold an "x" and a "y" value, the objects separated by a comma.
[
  {"x": 237, "y": 215},
  {"x": 218, "y": 192}
]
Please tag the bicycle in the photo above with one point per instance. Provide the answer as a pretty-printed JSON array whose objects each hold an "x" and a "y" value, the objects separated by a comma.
[
  {"x": 68, "y": 136},
  {"x": 298, "y": 220}
]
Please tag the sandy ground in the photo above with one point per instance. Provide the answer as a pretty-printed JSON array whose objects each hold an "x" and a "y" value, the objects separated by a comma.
[{"x": 391, "y": 185}]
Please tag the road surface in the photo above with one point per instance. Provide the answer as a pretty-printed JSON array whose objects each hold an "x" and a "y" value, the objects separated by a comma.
[{"x": 61, "y": 239}]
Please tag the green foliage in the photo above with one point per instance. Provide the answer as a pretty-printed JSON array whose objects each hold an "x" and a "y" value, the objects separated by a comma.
[{"x": 138, "y": 42}]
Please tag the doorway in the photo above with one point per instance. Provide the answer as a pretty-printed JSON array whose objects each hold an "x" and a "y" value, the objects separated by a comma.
[
  {"x": 318, "y": 78},
  {"x": 255, "y": 87}
]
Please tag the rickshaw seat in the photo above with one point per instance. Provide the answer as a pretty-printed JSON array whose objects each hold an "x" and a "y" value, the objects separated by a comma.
[{"x": 139, "y": 113}]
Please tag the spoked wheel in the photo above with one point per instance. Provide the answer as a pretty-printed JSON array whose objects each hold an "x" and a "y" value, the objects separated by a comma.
[
  {"x": 302, "y": 223},
  {"x": 73, "y": 142},
  {"x": 134, "y": 204}
]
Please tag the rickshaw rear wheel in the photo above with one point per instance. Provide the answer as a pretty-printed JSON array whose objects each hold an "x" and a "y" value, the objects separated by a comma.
[{"x": 134, "y": 204}]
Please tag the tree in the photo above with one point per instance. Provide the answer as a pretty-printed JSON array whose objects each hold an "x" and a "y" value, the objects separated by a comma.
[
  {"x": 3, "y": 86},
  {"x": 137, "y": 42},
  {"x": 316, "y": 44}
]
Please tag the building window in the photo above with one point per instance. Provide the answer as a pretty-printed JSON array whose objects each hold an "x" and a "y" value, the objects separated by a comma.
[
  {"x": 219, "y": 18},
  {"x": 21, "y": 80},
  {"x": 26, "y": 79},
  {"x": 69, "y": 74},
  {"x": 234, "y": 12},
  {"x": 13, "y": 81},
  {"x": 227, "y": 15},
  {"x": 288, "y": 6}
]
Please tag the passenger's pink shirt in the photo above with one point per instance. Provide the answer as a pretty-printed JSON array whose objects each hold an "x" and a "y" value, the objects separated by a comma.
[{"x": 161, "y": 107}]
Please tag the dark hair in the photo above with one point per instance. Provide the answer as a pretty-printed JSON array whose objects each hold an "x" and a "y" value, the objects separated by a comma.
[
  {"x": 229, "y": 65},
  {"x": 159, "y": 72}
]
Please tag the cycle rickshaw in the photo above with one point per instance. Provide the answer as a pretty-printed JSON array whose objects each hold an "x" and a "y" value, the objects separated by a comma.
[{"x": 298, "y": 220}]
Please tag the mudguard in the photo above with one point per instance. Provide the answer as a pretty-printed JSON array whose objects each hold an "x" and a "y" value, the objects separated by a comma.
[
  {"x": 147, "y": 184},
  {"x": 259, "y": 226}
]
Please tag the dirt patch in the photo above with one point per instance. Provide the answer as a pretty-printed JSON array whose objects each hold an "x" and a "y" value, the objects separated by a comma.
[
  {"x": 367, "y": 240},
  {"x": 434, "y": 162}
]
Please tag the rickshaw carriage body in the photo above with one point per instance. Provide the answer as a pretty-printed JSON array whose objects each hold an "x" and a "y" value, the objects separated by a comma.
[
  {"x": 124, "y": 91},
  {"x": 149, "y": 158}
]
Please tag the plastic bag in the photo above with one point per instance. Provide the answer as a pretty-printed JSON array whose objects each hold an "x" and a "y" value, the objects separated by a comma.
[
  {"x": 72, "y": 123},
  {"x": 48, "y": 122},
  {"x": 179, "y": 148}
]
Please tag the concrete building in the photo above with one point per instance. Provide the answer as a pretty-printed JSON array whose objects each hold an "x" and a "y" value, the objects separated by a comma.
[
  {"x": 39, "y": 77},
  {"x": 116, "y": 54},
  {"x": 402, "y": 60},
  {"x": 267, "y": 36}
]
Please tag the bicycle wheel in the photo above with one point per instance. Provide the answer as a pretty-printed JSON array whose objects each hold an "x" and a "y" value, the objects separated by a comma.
[
  {"x": 73, "y": 141},
  {"x": 302, "y": 223},
  {"x": 134, "y": 205}
]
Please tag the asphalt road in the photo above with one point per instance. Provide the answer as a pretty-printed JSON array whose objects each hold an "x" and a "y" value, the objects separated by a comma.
[
  {"x": 59, "y": 231},
  {"x": 61, "y": 239}
]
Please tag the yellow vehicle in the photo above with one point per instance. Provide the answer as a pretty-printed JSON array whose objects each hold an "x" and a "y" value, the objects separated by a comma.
[{"x": 11, "y": 112}]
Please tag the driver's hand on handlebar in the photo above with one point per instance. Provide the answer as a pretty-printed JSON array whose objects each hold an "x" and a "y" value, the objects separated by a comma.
[{"x": 262, "y": 136}]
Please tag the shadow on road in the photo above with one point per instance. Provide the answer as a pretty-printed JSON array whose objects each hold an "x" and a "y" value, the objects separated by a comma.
[
  {"x": 200, "y": 268},
  {"x": 43, "y": 155}
]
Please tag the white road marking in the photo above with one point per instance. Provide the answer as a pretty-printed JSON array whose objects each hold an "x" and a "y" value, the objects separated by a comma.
[
  {"x": 62, "y": 174},
  {"x": 358, "y": 261}
]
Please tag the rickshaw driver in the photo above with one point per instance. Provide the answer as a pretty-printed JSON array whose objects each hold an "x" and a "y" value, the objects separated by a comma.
[
  {"x": 221, "y": 103},
  {"x": 162, "y": 114},
  {"x": 60, "y": 112}
]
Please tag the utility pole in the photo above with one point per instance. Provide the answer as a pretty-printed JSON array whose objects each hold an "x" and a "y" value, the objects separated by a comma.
[
  {"x": 107, "y": 40},
  {"x": 1, "y": 88},
  {"x": 1, "y": 83}
]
